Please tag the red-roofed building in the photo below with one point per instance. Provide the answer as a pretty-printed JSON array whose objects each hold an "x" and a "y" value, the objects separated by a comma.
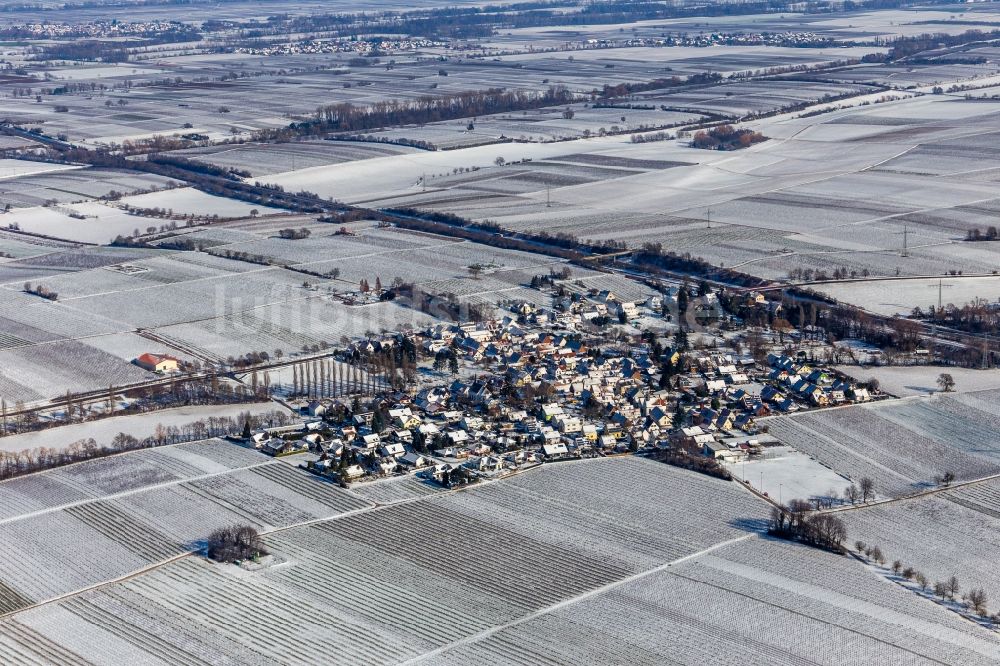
[{"x": 158, "y": 363}]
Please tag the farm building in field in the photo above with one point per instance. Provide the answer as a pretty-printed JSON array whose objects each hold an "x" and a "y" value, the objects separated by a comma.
[{"x": 158, "y": 363}]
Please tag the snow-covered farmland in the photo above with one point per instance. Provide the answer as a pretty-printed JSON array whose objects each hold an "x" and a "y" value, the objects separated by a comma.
[
  {"x": 396, "y": 582},
  {"x": 890, "y": 297},
  {"x": 91, "y": 522},
  {"x": 786, "y": 474},
  {"x": 768, "y": 602},
  {"x": 793, "y": 202},
  {"x": 903, "y": 445},
  {"x": 954, "y": 533},
  {"x": 187, "y": 200},
  {"x": 17, "y": 168},
  {"x": 30, "y": 373},
  {"x": 267, "y": 159},
  {"x": 137, "y": 425},
  {"x": 88, "y": 222},
  {"x": 922, "y": 379}
]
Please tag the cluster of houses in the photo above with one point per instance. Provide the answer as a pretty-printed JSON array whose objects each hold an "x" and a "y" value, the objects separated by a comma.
[
  {"x": 359, "y": 46},
  {"x": 535, "y": 386},
  {"x": 712, "y": 39},
  {"x": 97, "y": 28},
  {"x": 793, "y": 383}
]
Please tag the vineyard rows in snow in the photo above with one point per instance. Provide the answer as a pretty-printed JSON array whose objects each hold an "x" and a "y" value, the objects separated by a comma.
[
  {"x": 384, "y": 585},
  {"x": 955, "y": 533},
  {"x": 83, "y": 524},
  {"x": 769, "y": 602},
  {"x": 904, "y": 445}
]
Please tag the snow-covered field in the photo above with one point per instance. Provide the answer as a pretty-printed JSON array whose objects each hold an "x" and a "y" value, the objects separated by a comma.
[
  {"x": 795, "y": 201},
  {"x": 424, "y": 581},
  {"x": 137, "y": 425},
  {"x": 954, "y": 533},
  {"x": 10, "y": 168},
  {"x": 768, "y": 602},
  {"x": 905, "y": 381},
  {"x": 88, "y": 523},
  {"x": 903, "y": 445},
  {"x": 786, "y": 474},
  {"x": 187, "y": 200},
  {"x": 419, "y": 574},
  {"x": 890, "y": 297}
]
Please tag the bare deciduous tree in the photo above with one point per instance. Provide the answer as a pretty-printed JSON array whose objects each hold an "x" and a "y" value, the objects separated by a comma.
[
  {"x": 977, "y": 600},
  {"x": 867, "y": 489},
  {"x": 946, "y": 382},
  {"x": 952, "y": 587}
]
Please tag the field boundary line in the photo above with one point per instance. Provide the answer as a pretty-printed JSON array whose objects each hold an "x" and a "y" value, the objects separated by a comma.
[
  {"x": 913, "y": 496},
  {"x": 95, "y": 586},
  {"x": 487, "y": 633},
  {"x": 133, "y": 491},
  {"x": 811, "y": 617},
  {"x": 372, "y": 506}
]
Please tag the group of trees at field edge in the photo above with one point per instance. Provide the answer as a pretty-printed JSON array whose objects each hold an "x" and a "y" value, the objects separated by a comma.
[
  {"x": 40, "y": 290},
  {"x": 347, "y": 117},
  {"x": 795, "y": 522},
  {"x": 726, "y": 137},
  {"x": 235, "y": 544}
]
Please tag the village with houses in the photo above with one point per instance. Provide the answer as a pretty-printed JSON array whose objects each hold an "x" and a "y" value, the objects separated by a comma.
[
  {"x": 558, "y": 332},
  {"x": 540, "y": 385}
]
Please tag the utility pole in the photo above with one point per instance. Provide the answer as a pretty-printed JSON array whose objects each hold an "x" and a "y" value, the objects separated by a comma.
[
  {"x": 709, "y": 215},
  {"x": 423, "y": 181},
  {"x": 548, "y": 196},
  {"x": 906, "y": 249},
  {"x": 940, "y": 286}
]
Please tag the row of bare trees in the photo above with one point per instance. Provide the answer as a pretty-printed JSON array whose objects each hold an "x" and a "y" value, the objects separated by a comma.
[
  {"x": 179, "y": 392},
  {"x": 19, "y": 463},
  {"x": 973, "y": 600},
  {"x": 326, "y": 378}
]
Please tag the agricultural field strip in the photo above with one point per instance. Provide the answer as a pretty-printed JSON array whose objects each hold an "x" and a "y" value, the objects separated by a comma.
[
  {"x": 382, "y": 253},
  {"x": 133, "y": 491},
  {"x": 262, "y": 269},
  {"x": 916, "y": 495},
  {"x": 807, "y": 421},
  {"x": 255, "y": 306},
  {"x": 89, "y": 336},
  {"x": 709, "y": 604},
  {"x": 266, "y": 532},
  {"x": 376, "y": 506},
  {"x": 487, "y": 633},
  {"x": 878, "y": 250},
  {"x": 316, "y": 521},
  {"x": 808, "y": 589},
  {"x": 126, "y": 327}
]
